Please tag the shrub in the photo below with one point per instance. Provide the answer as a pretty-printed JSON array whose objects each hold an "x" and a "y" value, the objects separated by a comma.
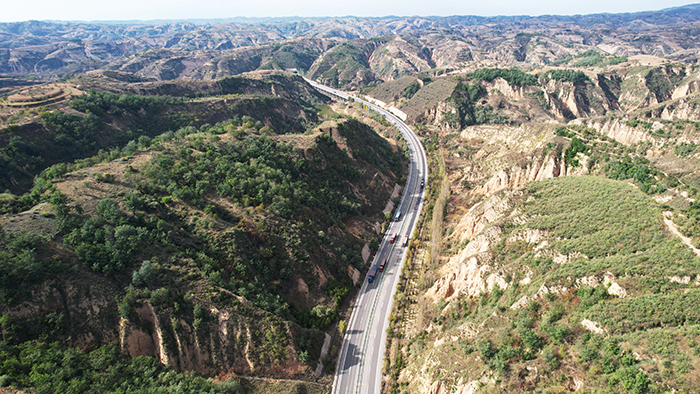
[
  {"x": 410, "y": 90},
  {"x": 549, "y": 357},
  {"x": 304, "y": 357},
  {"x": 685, "y": 149},
  {"x": 144, "y": 275}
]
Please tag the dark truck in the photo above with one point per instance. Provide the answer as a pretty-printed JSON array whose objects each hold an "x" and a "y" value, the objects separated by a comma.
[
  {"x": 381, "y": 266},
  {"x": 372, "y": 272}
]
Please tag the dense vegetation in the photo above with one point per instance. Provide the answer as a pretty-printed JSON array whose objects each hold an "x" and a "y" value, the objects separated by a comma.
[
  {"x": 410, "y": 90},
  {"x": 648, "y": 311},
  {"x": 347, "y": 64},
  {"x": 590, "y": 58},
  {"x": 514, "y": 76},
  {"x": 75, "y": 137},
  {"x": 256, "y": 173},
  {"x": 616, "y": 227},
  {"x": 109, "y": 121},
  {"x": 50, "y": 368},
  {"x": 689, "y": 222},
  {"x": 616, "y": 161},
  {"x": 23, "y": 262},
  {"x": 566, "y": 75},
  {"x": 465, "y": 97},
  {"x": 577, "y": 146},
  {"x": 639, "y": 170}
]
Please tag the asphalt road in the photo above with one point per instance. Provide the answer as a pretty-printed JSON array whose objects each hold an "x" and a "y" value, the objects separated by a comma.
[{"x": 359, "y": 368}]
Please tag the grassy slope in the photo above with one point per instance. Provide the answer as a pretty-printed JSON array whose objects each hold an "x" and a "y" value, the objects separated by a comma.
[{"x": 654, "y": 329}]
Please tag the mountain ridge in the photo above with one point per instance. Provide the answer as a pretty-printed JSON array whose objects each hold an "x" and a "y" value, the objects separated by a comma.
[
  {"x": 51, "y": 50},
  {"x": 694, "y": 7}
]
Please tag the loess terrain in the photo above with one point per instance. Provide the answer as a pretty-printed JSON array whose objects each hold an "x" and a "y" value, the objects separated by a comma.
[
  {"x": 180, "y": 204},
  {"x": 548, "y": 260}
]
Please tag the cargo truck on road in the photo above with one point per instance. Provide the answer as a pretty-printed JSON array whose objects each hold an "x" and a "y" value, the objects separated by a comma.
[{"x": 372, "y": 273}]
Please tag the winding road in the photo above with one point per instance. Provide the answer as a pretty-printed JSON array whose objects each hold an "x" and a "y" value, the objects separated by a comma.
[{"x": 359, "y": 368}]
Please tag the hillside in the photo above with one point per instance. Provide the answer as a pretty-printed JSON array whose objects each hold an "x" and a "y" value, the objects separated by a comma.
[
  {"x": 632, "y": 88},
  {"x": 226, "y": 248},
  {"x": 113, "y": 113},
  {"x": 572, "y": 283},
  {"x": 565, "y": 260}
]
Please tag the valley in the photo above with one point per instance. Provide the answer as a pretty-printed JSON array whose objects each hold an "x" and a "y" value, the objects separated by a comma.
[{"x": 184, "y": 201}]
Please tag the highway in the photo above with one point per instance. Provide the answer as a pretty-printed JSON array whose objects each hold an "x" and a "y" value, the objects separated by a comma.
[{"x": 359, "y": 368}]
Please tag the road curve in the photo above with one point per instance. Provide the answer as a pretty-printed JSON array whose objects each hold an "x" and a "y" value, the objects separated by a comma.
[{"x": 359, "y": 368}]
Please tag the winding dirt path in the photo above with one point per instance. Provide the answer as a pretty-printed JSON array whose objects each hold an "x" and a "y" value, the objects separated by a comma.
[{"x": 672, "y": 226}]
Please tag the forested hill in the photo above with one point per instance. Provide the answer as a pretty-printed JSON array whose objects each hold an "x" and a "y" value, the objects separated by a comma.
[
  {"x": 111, "y": 114},
  {"x": 222, "y": 238}
]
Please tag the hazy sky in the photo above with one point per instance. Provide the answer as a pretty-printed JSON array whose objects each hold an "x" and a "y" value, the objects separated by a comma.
[{"x": 93, "y": 10}]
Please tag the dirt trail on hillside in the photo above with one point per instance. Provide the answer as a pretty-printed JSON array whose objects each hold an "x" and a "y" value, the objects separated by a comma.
[
  {"x": 324, "y": 351},
  {"x": 672, "y": 226}
]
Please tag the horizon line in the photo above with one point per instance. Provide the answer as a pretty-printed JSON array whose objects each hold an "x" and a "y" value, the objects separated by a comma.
[{"x": 301, "y": 18}]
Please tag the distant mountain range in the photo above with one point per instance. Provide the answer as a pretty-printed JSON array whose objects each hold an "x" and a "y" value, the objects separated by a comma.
[
  {"x": 689, "y": 12},
  {"x": 201, "y": 49}
]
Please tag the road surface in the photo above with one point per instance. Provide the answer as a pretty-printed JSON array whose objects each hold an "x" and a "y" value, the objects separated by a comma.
[{"x": 359, "y": 369}]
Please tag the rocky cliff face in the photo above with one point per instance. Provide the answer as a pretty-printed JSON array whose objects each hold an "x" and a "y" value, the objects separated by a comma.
[
  {"x": 685, "y": 108},
  {"x": 469, "y": 273},
  {"x": 235, "y": 339},
  {"x": 550, "y": 166},
  {"x": 619, "y": 130}
]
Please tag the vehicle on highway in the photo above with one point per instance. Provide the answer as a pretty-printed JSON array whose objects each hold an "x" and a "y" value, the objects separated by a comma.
[
  {"x": 372, "y": 273},
  {"x": 406, "y": 242},
  {"x": 422, "y": 183},
  {"x": 398, "y": 216},
  {"x": 381, "y": 266},
  {"x": 359, "y": 368}
]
